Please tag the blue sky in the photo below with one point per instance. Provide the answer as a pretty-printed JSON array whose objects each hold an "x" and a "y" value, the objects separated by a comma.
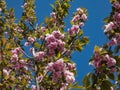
[{"x": 97, "y": 11}]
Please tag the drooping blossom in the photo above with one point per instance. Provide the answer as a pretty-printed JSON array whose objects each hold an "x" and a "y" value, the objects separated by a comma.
[{"x": 58, "y": 69}]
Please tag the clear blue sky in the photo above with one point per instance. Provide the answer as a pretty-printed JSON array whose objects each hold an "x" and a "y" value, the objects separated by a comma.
[{"x": 97, "y": 11}]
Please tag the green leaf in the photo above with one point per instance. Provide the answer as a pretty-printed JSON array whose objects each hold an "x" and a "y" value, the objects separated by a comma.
[
  {"x": 111, "y": 76},
  {"x": 36, "y": 44},
  {"x": 80, "y": 33},
  {"x": 111, "y": 1},
  {"x": 106, "y": 20},
  {"x": 86, "y": 80},
  {"x": 106, "y": 85},
  {"x": 76, "y": 87},
  {"x": 96, "y": 49}
]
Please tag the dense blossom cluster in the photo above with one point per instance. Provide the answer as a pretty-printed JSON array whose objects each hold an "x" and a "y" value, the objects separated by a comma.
[
  {"x": 103, "y": 60},
  {"x": 111, "y": 29},
  {"x": 60, "y": 69},
  {"x": 54, "y": 42},
  {"x": 78, "y": 20},
  {"x": 17, "y": 64}
]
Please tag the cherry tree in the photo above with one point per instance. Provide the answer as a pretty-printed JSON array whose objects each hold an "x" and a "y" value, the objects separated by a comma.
[
  {"x": 106, "y": 59},
  {"x": 49, "y": 67}
]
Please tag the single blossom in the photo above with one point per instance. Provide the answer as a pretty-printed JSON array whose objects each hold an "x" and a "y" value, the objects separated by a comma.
[
  {"x": 31, "y": 40},
  {"x": 84, "y": 17},
  {"x": 53, "y": 15},
  {"x": 6, "y": 72},
  {"x": 76, "y": 18},
  {"x": 109, "y": 27}
]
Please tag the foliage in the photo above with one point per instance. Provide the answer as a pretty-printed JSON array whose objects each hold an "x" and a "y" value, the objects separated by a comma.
[
  {"x": 49, "y": 67},
  {"x": 106, "y": 59}
]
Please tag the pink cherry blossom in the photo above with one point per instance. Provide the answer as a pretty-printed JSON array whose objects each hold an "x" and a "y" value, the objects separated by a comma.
[
  {"x": 117, "y": 17},
  {"x": 109, "y": 27},
  {"x": 39, "y": 55},
  {"x": 27, "y": 43},
  {"x": 73, "y": 30},
  {"x": 76, "y": 18},
  {"x": 52, "y": 45},
  {"x": 116, "y": 5},
  {"x": 14, "y": 58},
  {"x": 33, "y": 87},
  {"x": 64, "y": 86},
  {"x": 112, "y": 42},
  {"x": 16, "y": 50},
  {"x": 53, "y": 15},
  {"x": 81, "y": 24},
  {"x": 56, "y": 76},
  {"x": 6, "y": 72},
  {"x": 71, "y": 66},
  {"x": 31, "y": 40},
  {"x": 111, "y": 88},
  {"x": 25, "y": 5},
  {"x": 50, "y": 66},
  {"x": 84, "y": 17},
  {"x": 39, "y": 78},
  {"x": 0, "y": 9},
  {"x": 111, "y": 62},
  {"x": 59, "y": 65},
  {"x": 43, "y": 29},
  {"x": 69, "y": 76},
  {"x": 50, "y": 38},
  {"x": 58, "y": 34}
]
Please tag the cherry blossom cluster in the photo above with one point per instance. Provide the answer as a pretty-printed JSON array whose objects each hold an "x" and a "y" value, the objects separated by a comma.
[
  {"x": 78, "y": 20},
  {"x": 115, "y": 23},
  {"x": 101, "y": 60},
  {"x": 59, "y": 69},
  {"x": 17, "y": 64},
  {"x": 54, "y": 42},
  {"x": 111, "y": 28}
]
